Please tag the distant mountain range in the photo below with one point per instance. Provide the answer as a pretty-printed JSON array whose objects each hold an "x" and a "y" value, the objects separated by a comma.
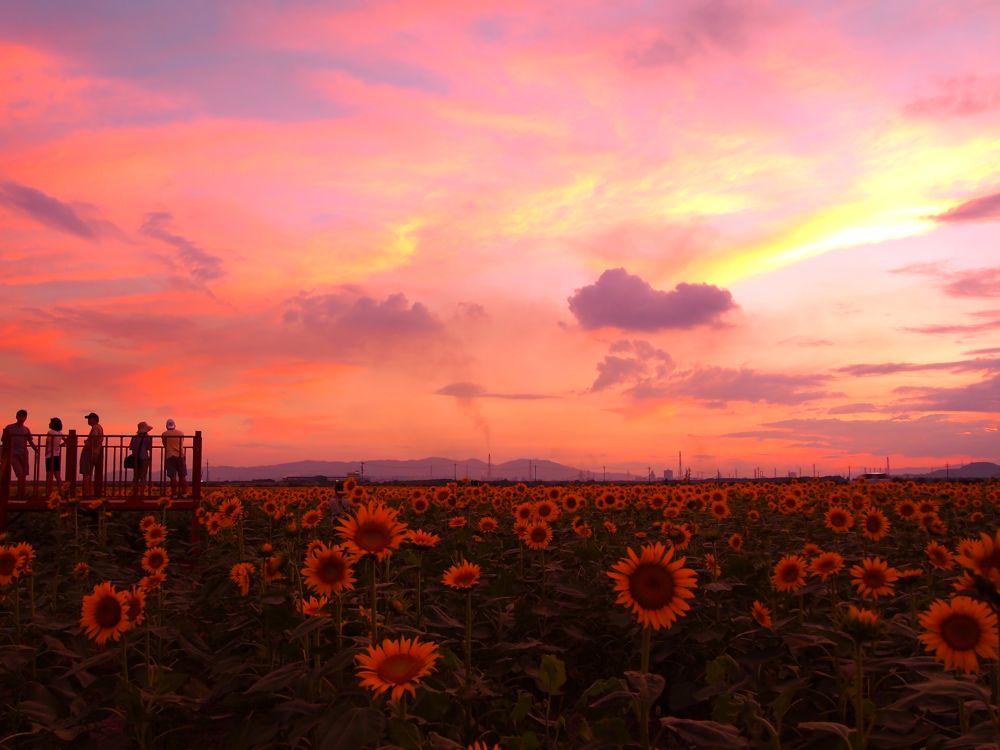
[{"x": 519, "y": 470}]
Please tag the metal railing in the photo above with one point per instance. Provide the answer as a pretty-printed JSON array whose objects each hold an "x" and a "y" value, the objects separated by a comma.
[{"x": 112, "y": 481}]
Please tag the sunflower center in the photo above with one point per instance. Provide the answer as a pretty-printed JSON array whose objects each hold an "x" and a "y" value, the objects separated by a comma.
[
  {"x": 961, "y": 632},
  {"x": 874, "y": 523},
  {"x": 373, "y": 537},
  {"x": 651, "y": 586},
  {"x": 874, "y": 579},
  {"x": 108, "y": 612},
  {"x": 330, "y": 569},
  {"x": 398, "y": 668},
  {"x": 790, "y": 573}
]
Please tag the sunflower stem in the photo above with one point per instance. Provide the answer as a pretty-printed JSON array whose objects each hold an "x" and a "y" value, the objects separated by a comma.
[
  {"x": 859, "y": 697},
  {"x": 372, "y": 601},
  {"x": 647, "y": 637},
  {"x": 468, "y": 637},
  {"x": 339, "y": 610},
  {"x": 420, "y": 588}
]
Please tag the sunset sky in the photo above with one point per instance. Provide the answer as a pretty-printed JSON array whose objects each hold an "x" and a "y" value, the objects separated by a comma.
[{"x": 761, "y": 233}]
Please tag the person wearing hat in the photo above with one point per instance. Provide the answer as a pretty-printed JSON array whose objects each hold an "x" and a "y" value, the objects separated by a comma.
[
  {"x": 141, "y": 448},
  {"x": 173, "y": 459},
  {"x": 91, "y": 458}
]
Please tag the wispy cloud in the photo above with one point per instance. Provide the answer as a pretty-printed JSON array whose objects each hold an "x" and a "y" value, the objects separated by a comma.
[
  {"x": 45, "y": 209},
  {"x": 202, "y": 265},
  {"x": 985, "y": 208},
  {"x": 468, "y": 390}
]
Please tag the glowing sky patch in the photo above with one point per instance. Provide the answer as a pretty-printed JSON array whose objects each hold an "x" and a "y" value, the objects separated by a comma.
[{"x": 358, "y": 232}]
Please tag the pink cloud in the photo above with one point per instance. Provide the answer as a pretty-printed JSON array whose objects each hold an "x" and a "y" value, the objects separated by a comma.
[{"x": 620, "y": 300}]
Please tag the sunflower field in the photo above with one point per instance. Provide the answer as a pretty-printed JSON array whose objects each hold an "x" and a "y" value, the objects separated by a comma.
[{"x": 806, "y": 614}]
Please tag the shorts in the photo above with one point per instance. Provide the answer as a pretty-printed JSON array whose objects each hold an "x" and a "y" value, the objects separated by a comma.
[
  {"x": 176, "y": 467},
  {"x": 53, "y": 464},
  {"x": 19, "y": 463},
  {"x": 87, "y": 462}
]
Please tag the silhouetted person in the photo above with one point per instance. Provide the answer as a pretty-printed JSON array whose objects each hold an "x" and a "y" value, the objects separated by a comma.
[
  {"x": 92, "y": 456},
  {"x": 173, "y": 459},
  {"x": 141, "y": 448},
  {"x": 14, "y": 443},
  {"x": 54, "y": 442}
]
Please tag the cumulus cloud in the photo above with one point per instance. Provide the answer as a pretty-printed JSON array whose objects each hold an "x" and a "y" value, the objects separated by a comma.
[
  {"x": 633, "y": 362},
  {"x": 622, "y": 300},
  {"x": 200, "y": 264},
  {"x": 986, "y": 208},
  {"x": 45, "y": 209},
  {"x": 351, "y": 317}
]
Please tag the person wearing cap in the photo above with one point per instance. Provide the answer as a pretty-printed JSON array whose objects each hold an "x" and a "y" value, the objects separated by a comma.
[
  {"x": 173, "y": 459},
  {"x": 15, "y": 441},
  {"x": 91, "y": 458},
  {"x": 141, "y": 448}
]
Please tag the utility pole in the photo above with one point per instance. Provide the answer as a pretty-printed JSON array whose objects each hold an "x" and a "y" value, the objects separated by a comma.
[
  {"x": 605, "y": 473},
  {"x": 455, "y": 467},
  {"x": 362, "y": 470}
]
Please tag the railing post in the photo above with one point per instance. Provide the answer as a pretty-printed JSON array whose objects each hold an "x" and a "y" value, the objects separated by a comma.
[
  {"x": 71, "y": 467},
  {"x": 4, "y": 482},
  {"x": 196, "y": 467}
]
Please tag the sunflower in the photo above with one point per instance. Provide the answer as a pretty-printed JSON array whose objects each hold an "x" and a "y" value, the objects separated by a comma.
[
  {"x": 572, "y": 503},
  {"x": 155, "y": 534},
  {"x": 26, "y": 556},
  {"x": 538, "y": 535},
  {"x": 982, "y": 557},
  {"x": 148, "y": 521},
  {"x": 478, "y": 745},
  {"x": 874, "y": 578},
  {"x": 462, "y": 575},
  {"x": 939, "y": 556},
  {"x": 789, "y": 573},
  {"x": 761, "y": 615},
  {"x": 720, "y": 509},
  {"x": 583, "y": 530},
  {"x": 397, "y": 666},
  {"x": 81, "y": 569},
  {"x": 736, "y": 542},
  {"x": 652, "y": 586},
  {"x": 488, "y": 524},
  {"x": 240, "y": 575},
  {"x": 457, "y": 522},
  {"x": 906, "y": 510},
  {"x": 373, "y": 530},
  {"x": 679, "y": 536},
  {"x": 104, "y": 613},
  {"x": 960, "y": 631},
  {"x": 423, "y": 539},
  {"x": 270, "y": 568},
  {"x": 135, "y": 605},
  {"x": 311, "y": 518},
  {"x": 153, "y": 581},
  {"x": 313, "y": 607},
  {"x": 861, "y": 624},
  {"x": 231, "y": 509},
  {"x": 419, "y": 504},
  {"x": 826, "y": 565},
  {"x": 10, "y": 564},
  {"x": 874, "y": 524},
  {"x": 524, "y": 511},
  {"x": 839, "y": 520},
  {"x": 610, "y": 527},
  {"x": 328, "y": 571},
  {"x": 155, "y": 559},
  {"x": 546, "y": 510}
]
